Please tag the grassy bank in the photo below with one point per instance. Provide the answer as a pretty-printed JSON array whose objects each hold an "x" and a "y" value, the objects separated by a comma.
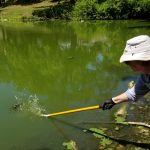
[
  {"x": 22, "y": 12},
  {"x": 77, "y": 9}
]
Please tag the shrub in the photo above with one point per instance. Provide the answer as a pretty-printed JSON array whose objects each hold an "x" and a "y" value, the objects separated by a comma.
[
  {"x": 112, "y": 9},
  {"x": 98, "y": 9},
  {"x": 84, "y": 9}
]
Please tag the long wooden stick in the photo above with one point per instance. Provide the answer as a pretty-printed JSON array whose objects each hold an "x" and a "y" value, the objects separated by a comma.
[
  {"x": 72, "y": 111},
  {"x": 123, "y": 123},
  {"x": 137, "y": 123}
]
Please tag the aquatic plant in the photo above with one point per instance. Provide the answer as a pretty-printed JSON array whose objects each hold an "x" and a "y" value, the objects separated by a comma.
[
  {"x": 119, "y": 119},
  {"x": 103, "y": 140},
  {"x": 71, "y": 145}
]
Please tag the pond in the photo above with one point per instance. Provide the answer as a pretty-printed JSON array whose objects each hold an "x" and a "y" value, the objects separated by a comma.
[{"x": 60, "y": 65}]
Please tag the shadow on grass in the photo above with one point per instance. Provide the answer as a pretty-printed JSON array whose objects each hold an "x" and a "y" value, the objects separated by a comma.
[
  {"x": 27, "y": 2},
  {"x": 59, "y": 11}
]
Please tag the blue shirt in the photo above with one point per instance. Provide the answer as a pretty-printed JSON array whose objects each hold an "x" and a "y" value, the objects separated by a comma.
[{"x": 141, "y": 87}]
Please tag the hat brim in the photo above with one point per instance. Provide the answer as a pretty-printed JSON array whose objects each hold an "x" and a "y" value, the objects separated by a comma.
[{"x": 135, "y": 57}]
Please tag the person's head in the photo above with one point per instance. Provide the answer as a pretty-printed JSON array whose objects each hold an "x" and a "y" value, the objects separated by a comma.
[
  {"x": 139, "y": 66},
  {"x": 137, "y": 54}
]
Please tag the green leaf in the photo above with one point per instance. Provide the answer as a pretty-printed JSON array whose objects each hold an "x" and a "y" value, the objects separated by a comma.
[
  {"x": 71, "y": 145},
  {"x": 120, "y": 119},
  {"x": 98, "y": 132},
  {"x": 105, "y": 142}
]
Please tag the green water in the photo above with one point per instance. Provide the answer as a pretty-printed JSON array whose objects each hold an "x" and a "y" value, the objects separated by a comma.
[{"x": 60, "y": 65}]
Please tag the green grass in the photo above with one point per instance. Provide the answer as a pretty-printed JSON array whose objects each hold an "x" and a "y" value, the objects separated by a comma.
[{"x": 17, "y": 12}]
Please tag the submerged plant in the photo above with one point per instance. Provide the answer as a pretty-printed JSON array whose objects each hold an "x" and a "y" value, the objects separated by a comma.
[
  {"x": 103, "y": 140},
  {"x": 121, "y": 114},
  {"x": 71, "y": 145},
  {"x": 98, "y": 132},
  {"x": 119, "y": 119}
]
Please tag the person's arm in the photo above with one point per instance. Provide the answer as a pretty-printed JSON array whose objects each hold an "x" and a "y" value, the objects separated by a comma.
[
  {"x": 120, "y": 98},
  {"x": 140, "y": 89},
  {"x": 108, "y": 104}
]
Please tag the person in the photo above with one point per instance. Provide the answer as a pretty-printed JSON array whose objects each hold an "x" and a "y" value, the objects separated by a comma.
[{"x": 137, "y": 56}]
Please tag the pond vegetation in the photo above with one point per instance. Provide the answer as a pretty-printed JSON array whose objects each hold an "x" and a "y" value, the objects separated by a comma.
[
  {"x": 69, "y": 65},
  {"x": 75, "y": 9}
]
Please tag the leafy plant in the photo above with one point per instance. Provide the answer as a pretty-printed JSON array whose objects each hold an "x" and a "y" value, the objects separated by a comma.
[
  {"x": 98, "y": 132},
  {"x": 71, "y": 145},
  {"x": 111, "y": 9},
  {"x": 84, "y": 9},
  {"x": 119, "y": 119},
  {"x": 121, "y": 114},
  {"x": 103, "y": 141}
]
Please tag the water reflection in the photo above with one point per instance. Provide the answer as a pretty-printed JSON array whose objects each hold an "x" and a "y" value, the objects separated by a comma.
[
  {"x": 90, "y": 67},
  {"x": 99, "y": 58}
]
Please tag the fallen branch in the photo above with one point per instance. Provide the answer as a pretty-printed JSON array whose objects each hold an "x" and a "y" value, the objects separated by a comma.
[
  {"x": 123, "y": 123},
  {"x": 135, "y": 123}
]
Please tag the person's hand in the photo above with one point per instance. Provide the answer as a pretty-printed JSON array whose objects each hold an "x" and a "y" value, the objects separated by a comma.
[{"x": 108, "y": 104}]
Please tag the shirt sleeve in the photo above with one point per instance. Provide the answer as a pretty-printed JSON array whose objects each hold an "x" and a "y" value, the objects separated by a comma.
[{"x": 139, "y": 90}]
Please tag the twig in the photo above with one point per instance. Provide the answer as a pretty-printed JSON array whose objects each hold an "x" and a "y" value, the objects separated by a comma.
[
  {"x": 123, "y": 123},
  {"x": 136, "y": 123}
]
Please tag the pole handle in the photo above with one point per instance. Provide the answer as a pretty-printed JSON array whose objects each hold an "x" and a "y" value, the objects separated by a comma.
[{"x": 72, "y": 111}]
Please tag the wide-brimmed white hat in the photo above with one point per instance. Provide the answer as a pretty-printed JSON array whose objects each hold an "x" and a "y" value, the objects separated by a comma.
[{"x": 137, "y": 48}]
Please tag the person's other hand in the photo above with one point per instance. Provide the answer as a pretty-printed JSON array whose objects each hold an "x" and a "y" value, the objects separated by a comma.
[{"x": 108, "y": 104}]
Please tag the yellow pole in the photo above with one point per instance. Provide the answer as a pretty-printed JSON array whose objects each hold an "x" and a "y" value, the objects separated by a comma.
[{"x": 72, "y": 111}]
